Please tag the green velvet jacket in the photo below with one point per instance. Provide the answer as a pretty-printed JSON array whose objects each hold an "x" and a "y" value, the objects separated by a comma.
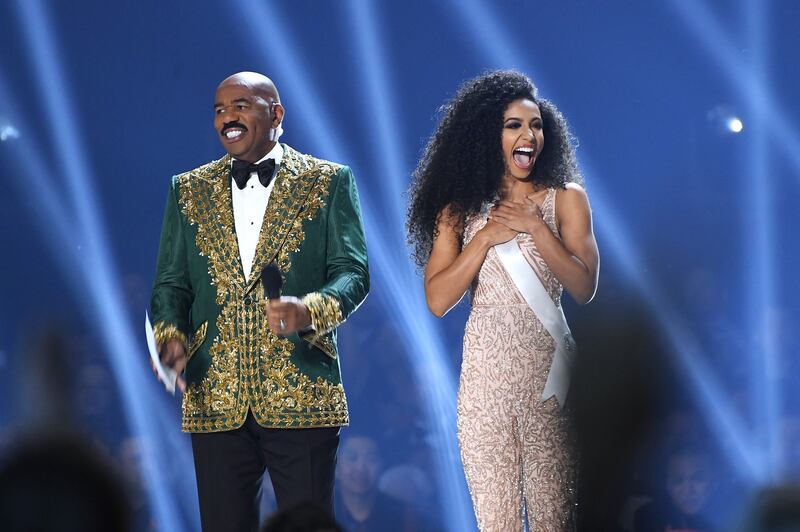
[{"x": 313, "y": 231}]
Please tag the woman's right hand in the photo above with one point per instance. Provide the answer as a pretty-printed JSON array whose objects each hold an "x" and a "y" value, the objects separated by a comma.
[
  {"x": 452, "y": 266},
  {"x": 495, "y": 233}
]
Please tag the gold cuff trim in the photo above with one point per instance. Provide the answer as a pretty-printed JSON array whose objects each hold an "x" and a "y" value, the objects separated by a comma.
[
  {"x": 325, "y": 312},
  {"x": 166, "y": 332},
  {"x": 325, "y": 316}
]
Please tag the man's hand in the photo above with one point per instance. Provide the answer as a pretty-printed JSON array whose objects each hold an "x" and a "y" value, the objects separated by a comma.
[
  {"x": 287, "y": 315},
  {"x": 173, "y": 355}
]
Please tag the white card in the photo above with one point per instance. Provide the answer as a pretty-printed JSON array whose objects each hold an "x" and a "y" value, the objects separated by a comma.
[{"x": 167, "y": 375}]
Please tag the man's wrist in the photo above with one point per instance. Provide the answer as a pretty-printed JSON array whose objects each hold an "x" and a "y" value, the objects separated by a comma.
[
  {"x": 305, "y": 323},
  {"x": 166, "y": 332}
]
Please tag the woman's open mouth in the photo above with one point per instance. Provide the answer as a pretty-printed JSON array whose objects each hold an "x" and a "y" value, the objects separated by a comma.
[{"x": 523, "y": 157}]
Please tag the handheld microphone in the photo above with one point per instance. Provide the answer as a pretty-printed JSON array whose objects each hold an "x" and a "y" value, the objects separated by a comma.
[{"x": 272, "y": 280}]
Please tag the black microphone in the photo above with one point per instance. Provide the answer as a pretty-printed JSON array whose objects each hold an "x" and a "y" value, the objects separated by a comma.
[{"x": 272, "y": 280}]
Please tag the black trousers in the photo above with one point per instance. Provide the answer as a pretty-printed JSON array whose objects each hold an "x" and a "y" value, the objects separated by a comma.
[{"x": 230, "y": 465}]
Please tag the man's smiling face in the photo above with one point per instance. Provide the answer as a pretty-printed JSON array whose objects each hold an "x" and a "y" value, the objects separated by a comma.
[{"x": 244, "y": 114}]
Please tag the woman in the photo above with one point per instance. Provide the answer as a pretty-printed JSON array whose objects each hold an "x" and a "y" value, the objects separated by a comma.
[{"x": 498, "y": 183}]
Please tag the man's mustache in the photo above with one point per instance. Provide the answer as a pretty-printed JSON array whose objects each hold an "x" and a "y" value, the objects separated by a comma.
[{"x": 231, "y": 125}]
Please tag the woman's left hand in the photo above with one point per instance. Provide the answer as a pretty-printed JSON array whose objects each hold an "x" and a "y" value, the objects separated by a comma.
[{"x": 524, "y": 217}]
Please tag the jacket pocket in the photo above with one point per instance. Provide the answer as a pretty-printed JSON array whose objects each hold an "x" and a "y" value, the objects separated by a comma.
[{"x": 323, "y": 342}]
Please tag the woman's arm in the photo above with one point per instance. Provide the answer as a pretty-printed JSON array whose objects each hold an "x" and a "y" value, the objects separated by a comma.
[
  {"x": 574, "y": 259},
  {"x": 450, "y": 269}
]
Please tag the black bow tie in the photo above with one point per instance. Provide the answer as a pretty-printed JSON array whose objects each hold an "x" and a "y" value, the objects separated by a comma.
[{"x": 241, "y": 170}]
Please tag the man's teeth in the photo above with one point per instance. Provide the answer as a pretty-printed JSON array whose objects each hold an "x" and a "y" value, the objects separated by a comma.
[{"x": 233, "y": 133}]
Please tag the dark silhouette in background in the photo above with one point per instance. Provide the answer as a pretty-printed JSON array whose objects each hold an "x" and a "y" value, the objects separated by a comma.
[
  {"x": 303, "y": 517},
  {"x": 616, "y": 396},
  {"x": 775, "y": 510},
  {"x": 52, "y": 478},
  {"x": 58, "y": 483}
]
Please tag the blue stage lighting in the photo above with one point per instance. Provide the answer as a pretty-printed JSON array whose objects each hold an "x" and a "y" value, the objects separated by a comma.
[
  {"x": 741, "y": 451},
  {"x": 434, "y": 378},
  {"x": 8, "y": 132},
  {"x": 753, "y": 89},
  {"x": 100, "y": 288},
  {"x": 52, "y": 217},
  {"x": 381, "y": 97},
  {"x": 725, "y": 120},
  {"x": 764, "y": 355}
]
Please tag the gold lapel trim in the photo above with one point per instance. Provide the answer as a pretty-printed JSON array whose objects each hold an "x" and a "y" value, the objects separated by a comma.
[
  {"x": 223, "y": 205},
  {"x": 205, "y": 199},
  {"x": 301, "y": 187}
]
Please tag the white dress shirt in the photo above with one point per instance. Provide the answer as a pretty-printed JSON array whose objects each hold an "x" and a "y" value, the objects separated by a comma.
[{"x": 249, "y": 206}]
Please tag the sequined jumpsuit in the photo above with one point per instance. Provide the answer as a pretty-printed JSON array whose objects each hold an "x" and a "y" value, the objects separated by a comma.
[{"x": 516, "y": 450}]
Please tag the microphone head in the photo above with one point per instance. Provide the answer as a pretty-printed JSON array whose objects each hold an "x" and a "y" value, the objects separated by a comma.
[{"x": 272, "y": 280}]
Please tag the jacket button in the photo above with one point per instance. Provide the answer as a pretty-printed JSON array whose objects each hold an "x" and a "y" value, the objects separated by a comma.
[{"x": 248, "y": 300}]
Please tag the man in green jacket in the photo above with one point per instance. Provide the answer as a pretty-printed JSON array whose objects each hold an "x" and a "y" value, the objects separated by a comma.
[{"x": 261, "y": 380}]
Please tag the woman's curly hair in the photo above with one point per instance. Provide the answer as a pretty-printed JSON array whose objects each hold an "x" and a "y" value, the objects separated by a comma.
[{"x": 463, "y": 164}]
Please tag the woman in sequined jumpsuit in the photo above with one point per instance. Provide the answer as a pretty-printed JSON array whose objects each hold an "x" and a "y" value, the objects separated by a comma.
[{"x": 501, "y": 166}]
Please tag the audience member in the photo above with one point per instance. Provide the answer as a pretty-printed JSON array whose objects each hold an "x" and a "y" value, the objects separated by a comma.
[
  {"x": 683, "y": 504},
  {"x": 360, "y": 506}
]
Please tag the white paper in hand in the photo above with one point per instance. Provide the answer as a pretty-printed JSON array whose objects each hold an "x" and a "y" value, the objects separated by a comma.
[{"x": 167, "y": 375}]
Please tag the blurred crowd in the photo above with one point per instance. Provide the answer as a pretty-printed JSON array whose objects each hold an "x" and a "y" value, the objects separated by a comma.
[{"x": 652, "y": 459}]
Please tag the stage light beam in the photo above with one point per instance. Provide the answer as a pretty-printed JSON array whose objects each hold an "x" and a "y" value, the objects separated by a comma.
[{"x": 101, "y": 291}]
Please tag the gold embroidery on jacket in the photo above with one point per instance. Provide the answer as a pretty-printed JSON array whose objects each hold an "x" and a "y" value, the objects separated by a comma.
[
  {"x": 292, "y": 398},
  {"x": 249, "y": 365},
  {"x": 198, "y": 338}
]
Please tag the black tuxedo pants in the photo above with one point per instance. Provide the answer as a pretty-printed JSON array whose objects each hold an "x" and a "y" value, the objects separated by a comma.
[{"x": 230, "y": 465}]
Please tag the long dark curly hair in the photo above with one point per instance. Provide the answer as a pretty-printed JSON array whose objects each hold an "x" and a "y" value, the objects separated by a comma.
[{"x": 463, "y": 164}]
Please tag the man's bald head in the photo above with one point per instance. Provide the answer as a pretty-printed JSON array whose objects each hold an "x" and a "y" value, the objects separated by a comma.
[
  {"x": 247, "y": 115},
  {"x": 258, "y": 83}
]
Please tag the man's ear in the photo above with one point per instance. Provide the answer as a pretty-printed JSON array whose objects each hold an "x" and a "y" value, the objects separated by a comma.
[{"x": 277, "y": 114}]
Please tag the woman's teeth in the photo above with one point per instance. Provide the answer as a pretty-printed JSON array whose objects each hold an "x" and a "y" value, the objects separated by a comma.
[{"x": 523, "y": 157}]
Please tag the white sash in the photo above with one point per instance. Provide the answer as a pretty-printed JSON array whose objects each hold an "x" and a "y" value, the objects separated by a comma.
[{"x": 551, "y": 316}]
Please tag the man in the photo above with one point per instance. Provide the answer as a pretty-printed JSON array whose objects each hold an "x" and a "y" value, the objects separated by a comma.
[
  {"x": 262, "y": 388},
  {"x": 360, "y": 506}
]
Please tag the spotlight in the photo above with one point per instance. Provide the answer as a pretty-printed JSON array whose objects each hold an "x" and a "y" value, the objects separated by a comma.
[
  {"x": 8, "y": 132},
  {"x": 724, "y": 120},
  {"x": 735, "y": 125}
]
